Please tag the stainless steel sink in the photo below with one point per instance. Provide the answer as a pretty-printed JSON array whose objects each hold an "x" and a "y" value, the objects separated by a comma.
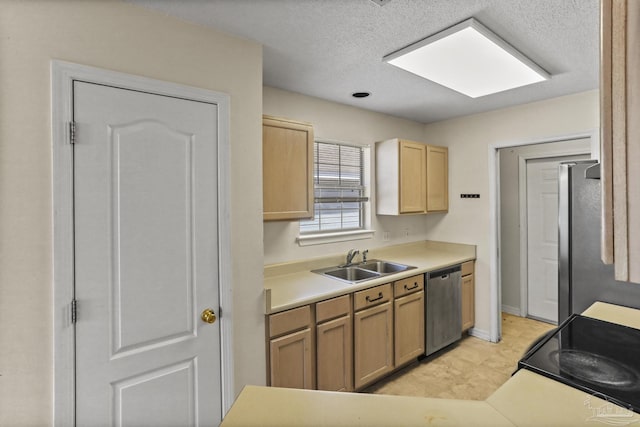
[
  {"x": 364, "y": 271},
  {"x": 384, "y": 267},
  {"x": 352, "y": 274}
]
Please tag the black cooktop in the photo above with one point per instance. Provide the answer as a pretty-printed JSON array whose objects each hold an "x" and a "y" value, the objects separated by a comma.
[{"x": 595, "y": 356}]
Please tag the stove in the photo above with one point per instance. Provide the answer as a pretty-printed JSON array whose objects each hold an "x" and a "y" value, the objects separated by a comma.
[{"x": 597, "y": 357}]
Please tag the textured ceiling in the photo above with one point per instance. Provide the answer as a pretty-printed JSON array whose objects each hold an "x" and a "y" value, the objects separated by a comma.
[{"x": 332, "y": 48}]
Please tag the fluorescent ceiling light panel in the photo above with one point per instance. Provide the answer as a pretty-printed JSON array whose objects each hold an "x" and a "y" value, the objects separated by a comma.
[{"x": 469, "y": 59}]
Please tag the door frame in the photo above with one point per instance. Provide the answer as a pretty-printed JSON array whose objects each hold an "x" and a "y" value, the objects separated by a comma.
[
  {"x": 495, "y": 286},
  {"x": 524, "y": 238},
  {"x": 62, "y": 76}
]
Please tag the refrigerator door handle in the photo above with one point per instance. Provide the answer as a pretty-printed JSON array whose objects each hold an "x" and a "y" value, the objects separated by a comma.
[{"x": 592, "y": 172}]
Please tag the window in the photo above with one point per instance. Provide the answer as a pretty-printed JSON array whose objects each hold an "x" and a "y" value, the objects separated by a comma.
[{"x": 339, "y": 189}]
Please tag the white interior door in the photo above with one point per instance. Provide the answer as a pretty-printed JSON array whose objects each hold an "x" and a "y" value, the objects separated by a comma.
[
  {"x": 146, "y": 260},
  {"x": 542, "y": 237}
]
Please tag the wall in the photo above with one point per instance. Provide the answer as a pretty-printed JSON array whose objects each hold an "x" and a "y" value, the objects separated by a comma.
[
  {"x": 126, "y": 38},
  {"x": 510, "y": 211},
  {"x": 469, "y": 139},
  {"x": 349, "y": 124}
]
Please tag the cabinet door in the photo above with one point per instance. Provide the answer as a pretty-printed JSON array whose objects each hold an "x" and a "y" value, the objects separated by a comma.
[
  {"x": 334, "y": 355},
  {"x": 291, "y": 360},
  {"x": 373, "y": 343},
  {"x": 437, "y": 179},
  {"x": 287, "y": 169},
  {"x": 413, "y": 176},
  {"x": 468, "y": 302},
  {"x": 409, "y": 327}
]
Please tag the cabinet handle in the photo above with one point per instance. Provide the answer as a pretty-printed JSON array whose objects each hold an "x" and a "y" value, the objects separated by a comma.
[
  {"x": 368, "y": 298},
  {"x": 415, "y": 285}
]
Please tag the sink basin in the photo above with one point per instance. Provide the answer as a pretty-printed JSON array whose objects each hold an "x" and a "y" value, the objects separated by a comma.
[
  {"x": 364, "y": 271},
  {"x": 352, "y": 274},
  {"x": 384, "y": 267}
]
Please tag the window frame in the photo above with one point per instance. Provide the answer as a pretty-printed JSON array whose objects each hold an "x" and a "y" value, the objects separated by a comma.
[{"x": 365, "y": 232}]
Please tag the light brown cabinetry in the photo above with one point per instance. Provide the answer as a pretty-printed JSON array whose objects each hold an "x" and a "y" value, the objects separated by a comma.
[
  {"x": 287, "y": 169},
  {"x": 411, "y": 178},
  {"x": 334, "y": 344},
  {"x": 468, "y": 296},
  {"x": 408, "y": 319},
  {"x": 437, "y": 179},
  {"x": 620, "y": 136},
  {"x": 373, "y": 334},
  {"x": 291, "y": 349}
]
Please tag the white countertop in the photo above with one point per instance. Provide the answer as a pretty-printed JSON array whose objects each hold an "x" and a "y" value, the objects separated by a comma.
[
  {"x": 291, "y": 285},
  {"x": 527, "y": 399}
]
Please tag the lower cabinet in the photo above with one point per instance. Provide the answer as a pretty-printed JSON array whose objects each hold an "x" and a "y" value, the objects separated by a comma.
[
  {"x": 409, "y": 319},
  {"x": 468, "y": 296},
  {"x": 348, "y": 342},
  {"x": 291, "y": 355},
  {"x": 373, "y": 334},
  {"x": 291, "y": 360},
  {"x": 334, "y": 345}
]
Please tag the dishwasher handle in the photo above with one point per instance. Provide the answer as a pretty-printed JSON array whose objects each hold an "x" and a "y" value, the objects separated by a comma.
[{"x": 444, "y": 272}]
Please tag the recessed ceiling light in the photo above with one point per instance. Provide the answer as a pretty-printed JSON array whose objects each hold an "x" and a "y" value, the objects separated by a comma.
[
  {"x": 360, "y": 94},
  {"x": 469, "y": 59}
]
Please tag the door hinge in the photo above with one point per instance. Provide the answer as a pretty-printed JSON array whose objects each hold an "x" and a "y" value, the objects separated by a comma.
[
  {"x": 72, "y": 132},
  {"x": 74, "y": 311}
]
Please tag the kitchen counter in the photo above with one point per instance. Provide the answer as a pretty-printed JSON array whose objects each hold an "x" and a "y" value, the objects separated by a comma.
[
  {"x": 527, "y": 399},
  {"x": 291, "y": 285},
  {"x": 284, "y": 407}
]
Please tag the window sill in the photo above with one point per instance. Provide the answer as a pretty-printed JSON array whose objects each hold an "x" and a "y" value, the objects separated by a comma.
[{"x": 342, "y": 236}]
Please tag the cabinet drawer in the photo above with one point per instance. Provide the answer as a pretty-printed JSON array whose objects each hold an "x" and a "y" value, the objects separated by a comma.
[
  {"x": 335, "y": 307},
  {"x": 373, "y": 296},
  {"x": 289, "y": 321},
  {"x": 467, "y": 268},
  {"x": 408, "y": 285}
]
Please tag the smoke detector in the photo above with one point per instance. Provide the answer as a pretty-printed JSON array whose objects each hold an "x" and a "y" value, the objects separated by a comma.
[{"x": 381, "y": 2}]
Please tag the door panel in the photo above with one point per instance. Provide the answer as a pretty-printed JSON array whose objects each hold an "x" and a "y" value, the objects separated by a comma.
[
  {"x": 145, "y": 190},
  {"x": 542, "y": 215}
]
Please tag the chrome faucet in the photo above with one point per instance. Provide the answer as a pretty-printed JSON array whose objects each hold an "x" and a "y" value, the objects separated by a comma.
[{"x": 350, "y": 256}]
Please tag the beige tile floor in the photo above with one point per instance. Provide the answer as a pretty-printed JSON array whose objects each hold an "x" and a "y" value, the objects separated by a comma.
[{"x": 472, "y": 369}]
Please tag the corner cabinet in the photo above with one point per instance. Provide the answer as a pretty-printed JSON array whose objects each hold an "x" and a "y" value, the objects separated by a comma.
[
  {"x": 287, "y": 169},
  {"x": 620, "y": 136},
  {"x": 468, "y": 296},
  {"x": 411, "y": 178}
]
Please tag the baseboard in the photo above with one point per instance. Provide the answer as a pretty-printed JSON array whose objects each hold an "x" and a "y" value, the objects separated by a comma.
[
  {"x": 479, "y": 333},
  {"x": 511, "y": 310}
]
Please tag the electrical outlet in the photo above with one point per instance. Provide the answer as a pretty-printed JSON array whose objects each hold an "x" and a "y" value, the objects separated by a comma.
[
  {"x": 406, "y": 232},
  {"x": 386, "y": 236}
]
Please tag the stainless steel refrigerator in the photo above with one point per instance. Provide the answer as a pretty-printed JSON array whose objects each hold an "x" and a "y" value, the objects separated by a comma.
[{"x": 582, "y": 277}]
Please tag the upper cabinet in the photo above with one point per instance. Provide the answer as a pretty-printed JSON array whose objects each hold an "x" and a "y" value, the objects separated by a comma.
[
  {"x": 411, "y": 178},
  {"x": 287, "y": 168},
  {"x": 437, "y": 179},
  {"x": 620, "y": 136}
]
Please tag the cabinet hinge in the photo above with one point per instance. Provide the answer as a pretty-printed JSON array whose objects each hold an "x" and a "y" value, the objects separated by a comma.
[
  {"x": 74, "y": 311},
  {"x": 72, "y": 132}
]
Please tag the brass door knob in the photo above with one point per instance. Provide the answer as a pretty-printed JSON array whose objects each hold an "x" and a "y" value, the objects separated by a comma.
[{"x": 208, "y": 315}]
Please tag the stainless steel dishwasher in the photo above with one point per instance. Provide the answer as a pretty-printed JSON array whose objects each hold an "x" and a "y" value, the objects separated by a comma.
[{"x": 443, "y": 310}]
